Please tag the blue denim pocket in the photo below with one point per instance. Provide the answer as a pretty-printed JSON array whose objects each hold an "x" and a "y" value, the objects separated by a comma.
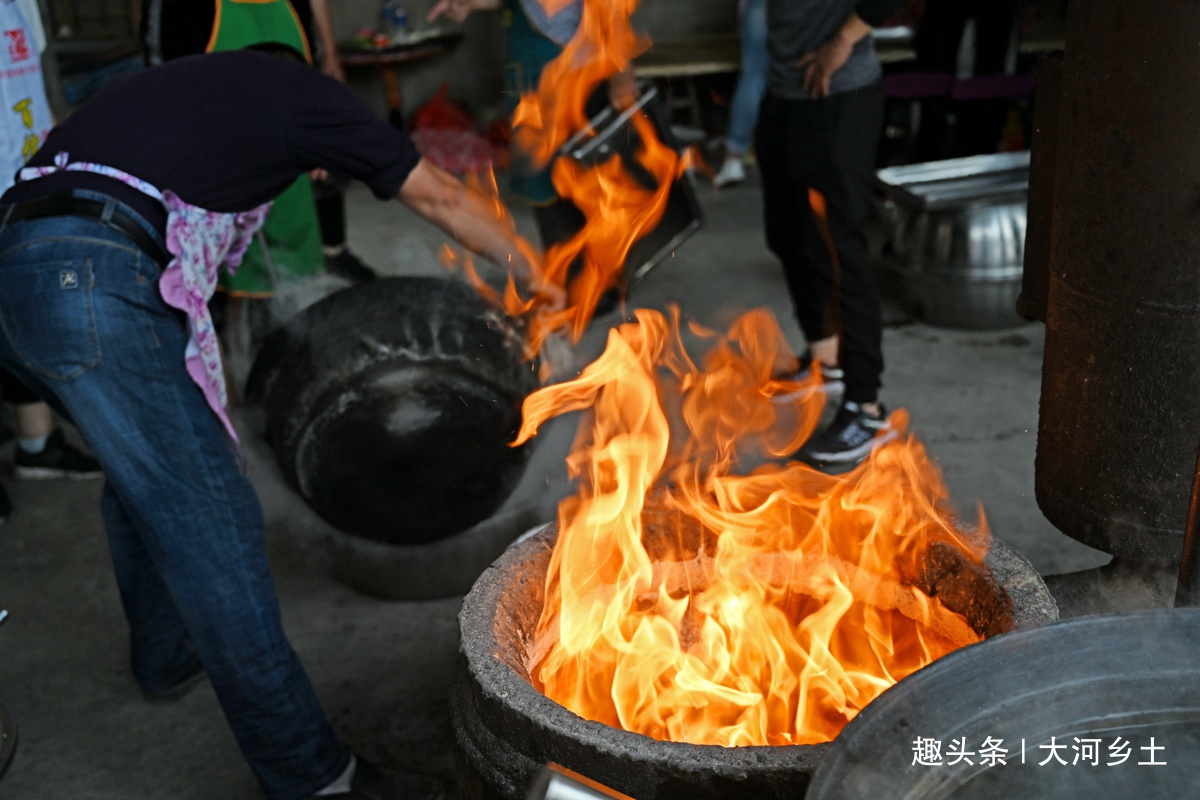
[{"x": 47, "y": 315}]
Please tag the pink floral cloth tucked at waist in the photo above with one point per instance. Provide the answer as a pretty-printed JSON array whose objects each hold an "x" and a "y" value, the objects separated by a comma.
[{"x": 200, "y": 242}]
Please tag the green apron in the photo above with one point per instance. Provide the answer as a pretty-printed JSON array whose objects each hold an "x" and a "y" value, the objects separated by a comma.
[
  {"x": 529, "y": 51},
  {"x": 292, "y": 232}
]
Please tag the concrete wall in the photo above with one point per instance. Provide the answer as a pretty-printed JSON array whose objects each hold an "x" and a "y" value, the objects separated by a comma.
[{"x": 472, "y": 68}]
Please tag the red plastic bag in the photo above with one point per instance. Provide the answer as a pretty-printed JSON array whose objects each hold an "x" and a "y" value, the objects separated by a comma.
[
  {"x": 456, "y": 151},
  {"x": 442, "y": 113}
]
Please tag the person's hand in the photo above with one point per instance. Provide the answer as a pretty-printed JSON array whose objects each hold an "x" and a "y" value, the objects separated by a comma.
[
  {"x": 526, "y": 268},
  {"x": 459, "y": 10},
  {"x": 822, "y": 63},
  {"x": 332, "y": 66}
]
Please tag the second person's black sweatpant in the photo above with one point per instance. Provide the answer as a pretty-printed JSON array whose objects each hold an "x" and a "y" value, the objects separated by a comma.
[{"x": 827, "y": 146}]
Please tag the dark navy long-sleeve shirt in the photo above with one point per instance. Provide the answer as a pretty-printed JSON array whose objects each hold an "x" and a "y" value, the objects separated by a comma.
[{"x": 224, "y": 131}]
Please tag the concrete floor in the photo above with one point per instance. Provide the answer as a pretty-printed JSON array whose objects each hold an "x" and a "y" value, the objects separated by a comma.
[{"x": 381, "y": 667}]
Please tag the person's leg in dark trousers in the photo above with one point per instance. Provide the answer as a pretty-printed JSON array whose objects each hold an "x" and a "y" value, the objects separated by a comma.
[
  {"x": 331, "y": 213},
  {"x": 936, "y": 44},
  {"x": 13, "y": 391},
  {"x": 834, "y": 154},
  {"x": 17, "y": 393},
  {"x": 971, "y": 127},
  {"x": 829, "y": 146},
  {"x": 786, "y": 219},
  {"x": 330, "y": 196},
  {"x": 42, "y": 449},
  {"x": 981, "y": 122},
  {"x": 995, "y": 22}
]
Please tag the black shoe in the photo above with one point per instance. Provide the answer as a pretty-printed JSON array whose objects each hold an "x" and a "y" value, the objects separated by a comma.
[
  {"x": 801, "y": 372},
  {"x": 349, "y": 266},
  {"x": 58, "y": 459},
  {"x": 369, "y": 783},
  {"x": 192, "y": 678},
  {"x": 5, "y": 505},
  {"x": 848, "y": 440}
]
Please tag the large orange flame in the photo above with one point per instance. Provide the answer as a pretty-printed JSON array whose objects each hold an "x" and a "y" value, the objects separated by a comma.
[
  {"x": 690, "y": 603},
  {"x": 618, "y": 209}
]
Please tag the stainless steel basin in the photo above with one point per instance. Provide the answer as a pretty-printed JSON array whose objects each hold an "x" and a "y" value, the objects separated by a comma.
[{"x": 956, "y": 239}]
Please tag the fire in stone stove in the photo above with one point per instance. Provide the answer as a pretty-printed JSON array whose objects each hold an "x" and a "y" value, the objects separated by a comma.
[{"x": 704, "y": 634}]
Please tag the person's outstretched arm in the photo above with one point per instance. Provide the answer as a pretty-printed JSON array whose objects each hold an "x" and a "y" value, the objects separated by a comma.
[{"x": 476, "y": 221}]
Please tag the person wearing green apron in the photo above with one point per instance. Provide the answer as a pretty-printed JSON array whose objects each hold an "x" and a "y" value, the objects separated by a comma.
[
  {"x": 292, "y": 231},
  {"x": 529, "y": 51},
  {"x": 530, "y": 48}
]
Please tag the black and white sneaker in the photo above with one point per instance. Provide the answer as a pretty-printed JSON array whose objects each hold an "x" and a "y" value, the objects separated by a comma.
[
  {"x": 848, "y": 440},
  {"x": 58, "y": 459},
  {"x": 344, "y": 264},
  {"x": 832, "y": 380}
]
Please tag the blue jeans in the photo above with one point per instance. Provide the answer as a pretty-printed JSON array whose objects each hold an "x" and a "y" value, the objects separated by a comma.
[
  {"x": 752, "y": 81},
  {"x": 83, "y": 324}
]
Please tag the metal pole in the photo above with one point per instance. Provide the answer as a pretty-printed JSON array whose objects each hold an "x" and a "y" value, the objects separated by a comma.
[
  {"x": 1187, "y": 590},
  {"x": 555, "y": 782}
]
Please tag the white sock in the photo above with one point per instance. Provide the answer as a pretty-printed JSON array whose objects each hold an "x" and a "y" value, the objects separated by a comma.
[
  {"x": 335, "y": 250},
  {"x": 342, "y": 784},
  {"x": 33, "y": 446}
]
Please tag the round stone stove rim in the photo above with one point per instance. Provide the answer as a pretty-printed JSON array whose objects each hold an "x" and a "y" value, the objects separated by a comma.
[{"x": 490, "y": 673}]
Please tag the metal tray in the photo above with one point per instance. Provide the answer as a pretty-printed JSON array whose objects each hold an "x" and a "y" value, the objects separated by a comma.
[
  {"x": 936, "y": 185},
  {"x": 609, "y": 134}
]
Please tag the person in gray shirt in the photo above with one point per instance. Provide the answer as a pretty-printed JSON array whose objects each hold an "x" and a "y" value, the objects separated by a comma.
[{"x": 817, "y": 138}]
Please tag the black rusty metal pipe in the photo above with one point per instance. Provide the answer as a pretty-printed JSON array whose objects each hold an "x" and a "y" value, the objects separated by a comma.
[
  {"x": 1118, "y": 419},
  {"x": 1043, "y": 160},
  {"x": 1187, "y": 590}
]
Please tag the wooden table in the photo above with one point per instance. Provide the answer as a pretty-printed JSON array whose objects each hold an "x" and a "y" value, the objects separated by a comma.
[
  {"x": 681, "y": 61},
  {"x": 721, "y": 53},
  {"x": 687, "y": 58},
  {"x": 684, "y": 60},
  {"x": 389, "y": 60},
  {"x": 676, "y": 63}
]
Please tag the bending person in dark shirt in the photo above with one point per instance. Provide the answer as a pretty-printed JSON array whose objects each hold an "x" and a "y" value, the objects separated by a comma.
[{"x": 105, "y": 316}]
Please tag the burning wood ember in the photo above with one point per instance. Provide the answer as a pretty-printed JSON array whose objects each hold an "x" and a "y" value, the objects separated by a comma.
[{"x": 690, "y": 603}]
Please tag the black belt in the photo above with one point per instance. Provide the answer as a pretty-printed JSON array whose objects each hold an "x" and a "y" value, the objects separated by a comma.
[{"x": 67, "y": 205}]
